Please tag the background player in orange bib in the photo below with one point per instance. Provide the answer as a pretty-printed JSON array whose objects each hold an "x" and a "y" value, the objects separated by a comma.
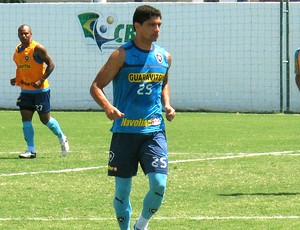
[{"x": 34, "y": 65}]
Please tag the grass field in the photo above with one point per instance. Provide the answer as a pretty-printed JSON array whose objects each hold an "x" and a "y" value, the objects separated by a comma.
[{"x": 227, "y": 171}]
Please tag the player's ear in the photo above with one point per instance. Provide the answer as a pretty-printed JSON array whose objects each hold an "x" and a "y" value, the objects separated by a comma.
[{"x": 136, "y": 25}]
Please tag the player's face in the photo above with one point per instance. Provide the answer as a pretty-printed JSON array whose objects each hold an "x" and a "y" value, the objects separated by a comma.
[
  {"x": 150, "y": 29},
  {"x": 24, "y": 34}
]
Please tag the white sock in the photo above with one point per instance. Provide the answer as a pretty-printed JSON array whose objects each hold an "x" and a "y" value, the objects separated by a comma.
[
  {"x": 142, "y": 223},
  {"x": 62, "y": 139}
]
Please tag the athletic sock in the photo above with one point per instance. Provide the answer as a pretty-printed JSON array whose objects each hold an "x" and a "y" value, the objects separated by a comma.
[
  {"x": 122, "y": 203},
  {"x": 31, "y": 149},
  {"x": 142, "y": 223},
  {"x": 155, "y": 195},
  {"x": 29, "y": 135},
  {"x": 53, "y": 125}
]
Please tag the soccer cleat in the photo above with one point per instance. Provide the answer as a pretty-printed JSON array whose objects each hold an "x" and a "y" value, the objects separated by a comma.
[
  {"x": 135, "y": 228},
  {"x": 27, "y": 155},
  {"x": 64, "y": 147}
]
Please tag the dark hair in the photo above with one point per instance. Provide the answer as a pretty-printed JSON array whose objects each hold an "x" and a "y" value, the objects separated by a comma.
[
  {"x": 144, "y": 13},
  {"x": 23, "y": 26}
]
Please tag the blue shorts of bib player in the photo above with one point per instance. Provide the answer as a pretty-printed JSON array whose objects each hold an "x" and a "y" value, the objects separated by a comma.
[
  {"x": 38, "y": 101},
  {"x": 128, "y": 150}
]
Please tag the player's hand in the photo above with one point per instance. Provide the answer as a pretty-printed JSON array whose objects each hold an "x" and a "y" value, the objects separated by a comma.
[
  {"x": 37, "y": 84},
  {"x": 170, "y": 113},
  {"x": 113, "y": 113},
  {"x": 13, "y": 81}
]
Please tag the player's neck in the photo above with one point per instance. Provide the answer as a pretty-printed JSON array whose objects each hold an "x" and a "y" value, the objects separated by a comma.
[
  {"x": 26, "y": 44},
  {"x": 142, "y": 44}
]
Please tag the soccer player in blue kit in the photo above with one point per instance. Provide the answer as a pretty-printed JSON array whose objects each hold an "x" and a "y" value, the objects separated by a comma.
[{"x": 139, "y": 72}]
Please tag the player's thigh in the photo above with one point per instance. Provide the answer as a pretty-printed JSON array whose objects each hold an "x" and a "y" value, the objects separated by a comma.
[
  {"x": 123, "y": 155},
  {"x": 26, "y": 101},
  {"x": 42, "y": 102},
  {"x": 154, "y": 154}
]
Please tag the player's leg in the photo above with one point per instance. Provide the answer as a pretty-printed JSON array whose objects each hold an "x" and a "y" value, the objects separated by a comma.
[
  {"x": 52, "y": 124},
  {"x": 153, "y": 199},
  {"x": 43, "y": 107},
  {"x": 155, "y": 165},
  {"x": 123, "y": 165},
  {"x": 155, "y": 195},
  {"x": 122, "y": 203},
  {"x": 25, "y": 102},
  {"x": 28, "y": 133}
]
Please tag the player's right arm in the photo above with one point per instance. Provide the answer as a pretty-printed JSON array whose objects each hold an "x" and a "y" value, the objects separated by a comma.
[
  {"x": 297, "y": 68},
  {"x": 103, "y": 78}
]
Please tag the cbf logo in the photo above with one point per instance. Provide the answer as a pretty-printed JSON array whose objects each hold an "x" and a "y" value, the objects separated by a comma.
[{"x": 105, "y": 30}]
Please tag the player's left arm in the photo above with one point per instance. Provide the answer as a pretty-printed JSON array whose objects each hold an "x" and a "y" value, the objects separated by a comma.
[
  {"x": 170, "y": 111},
  {"x": 42, "y": 53}
]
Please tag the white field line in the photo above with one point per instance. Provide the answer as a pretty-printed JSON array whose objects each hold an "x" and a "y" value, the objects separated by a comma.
[
  {"x": 240, "y": 155},
  {"x": 157, "y": 218},
  {"x": 52, "y": 171}
]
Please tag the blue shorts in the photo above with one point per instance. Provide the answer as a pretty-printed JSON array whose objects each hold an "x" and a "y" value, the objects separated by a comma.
[
  {"x": 128, "y": 150},
  {"x": 39, "y": 102}
]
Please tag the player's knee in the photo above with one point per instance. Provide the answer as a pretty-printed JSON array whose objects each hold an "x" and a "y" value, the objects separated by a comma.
[
  {"x": 158, "y": 183},
  {"x": 44, "y": 118},
  {"x": 122, "y": 191},
  {"x": 123, "y": 187},
  {"x": 160, "y": 190}
]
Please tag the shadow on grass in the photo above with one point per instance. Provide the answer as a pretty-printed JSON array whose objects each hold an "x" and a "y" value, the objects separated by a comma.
[
  {"x": 10, "y": 158},
  {"x": 262, "y": 194}
]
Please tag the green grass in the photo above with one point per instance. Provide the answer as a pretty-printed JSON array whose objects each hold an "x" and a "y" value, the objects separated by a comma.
[{"x": 205, "y": 190}]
